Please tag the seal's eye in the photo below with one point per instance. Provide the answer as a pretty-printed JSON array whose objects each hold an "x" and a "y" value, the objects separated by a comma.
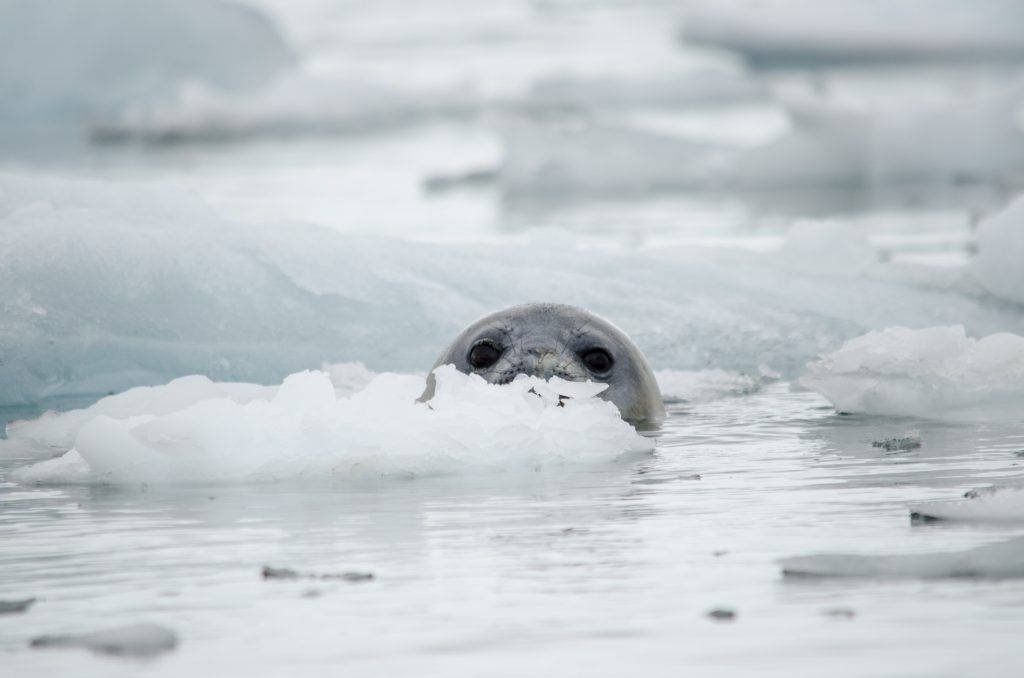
[
  {"x": 484, "y": 355},
  {"x": 597, "y": 360}
]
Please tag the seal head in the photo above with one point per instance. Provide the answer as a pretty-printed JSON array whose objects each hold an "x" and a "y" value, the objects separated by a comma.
[{"x": 554, "y": 340}]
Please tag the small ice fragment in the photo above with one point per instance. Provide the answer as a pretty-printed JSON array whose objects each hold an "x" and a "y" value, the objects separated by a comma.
[
  {"x": 286, "y": 573},
  {"x": 138, "y": 640},
  {"x": 911, "y": 440},
  {"x": 840, "y": 613},
  {"x": 721, "y": 614},
  {"x": 15, "y": 606},
  {"x": 1003, "y": 560},
  {"x": 992, "y": 505}
]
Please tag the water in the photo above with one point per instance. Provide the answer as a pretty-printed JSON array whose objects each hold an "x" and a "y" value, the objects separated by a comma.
[
  {"x": 602, "y": 570},
  {"x": 591, "y": 570}
]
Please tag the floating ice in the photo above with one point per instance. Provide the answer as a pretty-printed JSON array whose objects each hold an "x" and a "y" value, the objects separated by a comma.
[
  {"x": 934, "y": 373},
  {"x": 988, "y": 505},
  {"x": 808, "y": 32},
  {"x": 107, "y": 287},
  {"x": 1000, "y": 261},
  {"x": 995, "y": 561},
  {"x": 301, "y": 102},
  {"x": 70, "y": 60},
  {"x": 294, "y": 103},
  {"x": 305, "y": 431},
  {"x": 699, "y": 87},
  {"x": 140, "y": 640},
  {"x": 827, "y": 145}
]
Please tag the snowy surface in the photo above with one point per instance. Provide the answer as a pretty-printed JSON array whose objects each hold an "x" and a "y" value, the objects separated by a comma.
[
  {"x": 934, "y": 373},
  {"x": 303, "y": 430},
  {"x": 999, "y": 504},
  {"x": 808, "y": 32},
  {"x": 995, "y": 561}
]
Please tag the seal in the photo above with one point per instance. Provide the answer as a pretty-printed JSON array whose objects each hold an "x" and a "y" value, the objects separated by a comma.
[{"x": 555, "y": 340}]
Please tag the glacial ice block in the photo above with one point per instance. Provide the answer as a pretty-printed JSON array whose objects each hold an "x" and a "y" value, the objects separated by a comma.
[{"x": 936, "y": 372}]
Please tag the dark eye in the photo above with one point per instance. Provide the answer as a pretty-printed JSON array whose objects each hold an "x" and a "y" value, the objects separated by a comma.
[
  {"x": 484, "y": 355},
  {"x": 597, "y": 360}
]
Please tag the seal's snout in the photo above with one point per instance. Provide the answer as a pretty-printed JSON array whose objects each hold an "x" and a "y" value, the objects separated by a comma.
[{"x": 545, "y": 363}]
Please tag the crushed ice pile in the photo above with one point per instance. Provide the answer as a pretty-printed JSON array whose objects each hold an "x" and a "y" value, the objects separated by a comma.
[
  {"x": 999, "y": 504},
  {"x": 304, "y": 430},
  {"x": 938, "y": 372},
  {"x": 1002, "y": 560},
  {"x": 107, "y": 287}
]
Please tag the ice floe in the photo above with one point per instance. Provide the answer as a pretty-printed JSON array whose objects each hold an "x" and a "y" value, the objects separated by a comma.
[
  {"x": 304, "y": 430},
  {"x": 937, "y": 372},
  {"x": 805, "y": 32},
  {"x": 1002, "y": 560}
]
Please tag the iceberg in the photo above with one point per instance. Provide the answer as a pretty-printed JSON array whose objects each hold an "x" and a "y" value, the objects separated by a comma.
[
  {"x": 303, "y": 430},
  {"x": 937, "y": 372}
]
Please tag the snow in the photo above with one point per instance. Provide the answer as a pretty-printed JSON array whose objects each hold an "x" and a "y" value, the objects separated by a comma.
[
  {"x": 139, "y": 640},
  {"x": 116, "y": 52},
  {"x": 804, "y": 31},
  {"x": 304, "y": 430},
  {"x": 828, "y": 144},
  {"x": 111, "y": 287},
  {"x": 995, "y": 561},
  {"x": 999, "y": 504},
  {"x": 937, "y": 372},
  {"x": 1000, "y": 252}
]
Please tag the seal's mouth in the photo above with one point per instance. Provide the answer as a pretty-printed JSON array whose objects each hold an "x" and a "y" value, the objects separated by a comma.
[{"x": 543, "y": 364}]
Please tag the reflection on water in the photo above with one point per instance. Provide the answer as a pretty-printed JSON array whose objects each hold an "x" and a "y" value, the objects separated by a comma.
[{"x": 597, "y": 568}]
